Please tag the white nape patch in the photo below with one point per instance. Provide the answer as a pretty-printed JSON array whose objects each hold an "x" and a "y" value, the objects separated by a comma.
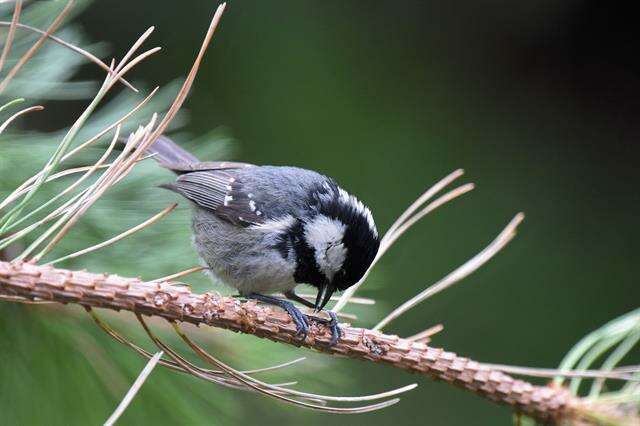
[
  {"x": 277, "y": 225},
  {"x": 227, "y": 199},
  {"x": 252, "y": 205},
  {"x": 347, "y": 198},
  {"x": 325, "y": 236}
]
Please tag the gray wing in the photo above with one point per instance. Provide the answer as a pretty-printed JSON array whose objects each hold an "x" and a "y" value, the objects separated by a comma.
[{"x": 222, "y": 192}]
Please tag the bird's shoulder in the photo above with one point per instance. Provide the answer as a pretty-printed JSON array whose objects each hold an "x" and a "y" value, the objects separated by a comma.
[{"x": 255, "y": 195}]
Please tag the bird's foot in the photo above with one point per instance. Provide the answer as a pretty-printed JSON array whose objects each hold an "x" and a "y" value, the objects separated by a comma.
[
  {"x": 300, "y": 319},
  {"x": 332, "y": 324}
]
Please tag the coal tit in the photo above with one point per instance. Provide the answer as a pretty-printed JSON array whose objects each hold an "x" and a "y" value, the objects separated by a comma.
[{"x": 266, "y": 229}]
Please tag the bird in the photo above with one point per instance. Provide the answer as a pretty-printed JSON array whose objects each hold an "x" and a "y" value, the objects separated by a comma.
[{"x": 267, "y": 229}]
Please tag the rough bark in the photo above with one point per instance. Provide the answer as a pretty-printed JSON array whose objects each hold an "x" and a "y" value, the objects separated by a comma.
[{"x": 548, "y": 404}]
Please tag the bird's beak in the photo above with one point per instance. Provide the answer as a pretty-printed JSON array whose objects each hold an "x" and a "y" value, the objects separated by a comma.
[{"x": 324, "y": 294}]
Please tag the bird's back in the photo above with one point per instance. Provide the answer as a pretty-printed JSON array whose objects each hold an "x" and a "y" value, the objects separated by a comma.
[{"x": 279, "y": 191}]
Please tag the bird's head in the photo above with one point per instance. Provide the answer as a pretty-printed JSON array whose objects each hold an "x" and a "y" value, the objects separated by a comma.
[{"x": 337, "y": 244}]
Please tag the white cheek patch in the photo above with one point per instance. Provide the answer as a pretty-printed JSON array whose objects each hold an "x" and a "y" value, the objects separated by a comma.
[
  {"x": 334, "y": 258},
  {"x": 325, "y": 235}
]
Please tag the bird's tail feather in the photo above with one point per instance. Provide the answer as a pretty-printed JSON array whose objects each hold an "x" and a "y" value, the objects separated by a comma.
[{"x": 168, "y": 154}]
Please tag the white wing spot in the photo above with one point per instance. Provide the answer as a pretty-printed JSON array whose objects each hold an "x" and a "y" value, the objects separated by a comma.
[
  {"x": 252, "y": 205},
  {"x": 228, "y": 187},
  {"x": 227, "y": 199}
]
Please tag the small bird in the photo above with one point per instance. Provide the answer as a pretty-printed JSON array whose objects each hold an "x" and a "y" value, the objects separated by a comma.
[{"x": 267, "y": 229}]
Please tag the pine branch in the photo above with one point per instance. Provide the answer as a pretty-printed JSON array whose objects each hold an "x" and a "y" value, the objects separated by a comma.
[{"x": 178, "y": 303}]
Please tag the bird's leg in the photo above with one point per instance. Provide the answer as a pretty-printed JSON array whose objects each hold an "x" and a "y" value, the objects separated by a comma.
[
  {"x": 291, "y": 295},
  {"x": 332, "y": 323},
  {"x": 302, "y": 324}
]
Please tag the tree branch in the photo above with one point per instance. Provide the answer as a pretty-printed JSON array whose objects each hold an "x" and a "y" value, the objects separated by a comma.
[{"x": 545, "y": 403}]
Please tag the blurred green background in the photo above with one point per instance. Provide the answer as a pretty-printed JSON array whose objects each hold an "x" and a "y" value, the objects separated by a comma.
[{"x": 538, "y": 101}]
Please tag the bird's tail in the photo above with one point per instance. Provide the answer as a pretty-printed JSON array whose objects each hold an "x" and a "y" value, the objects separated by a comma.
[{"x": 168, "y": 154}]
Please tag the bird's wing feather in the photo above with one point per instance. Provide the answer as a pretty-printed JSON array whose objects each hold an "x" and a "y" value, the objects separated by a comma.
[{"x": 220, "y": 192}]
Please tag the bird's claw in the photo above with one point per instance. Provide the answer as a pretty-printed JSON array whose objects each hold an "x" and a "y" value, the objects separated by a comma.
[
  {"x": 336, "y": 331},
  {"x": 301, "y": 322},
  {"x": 332, "y": 324},
  {"x": 299, "y": 319}
]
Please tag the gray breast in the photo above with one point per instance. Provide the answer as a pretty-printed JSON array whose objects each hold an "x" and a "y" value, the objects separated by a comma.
[{"x": 242, "y": 257}]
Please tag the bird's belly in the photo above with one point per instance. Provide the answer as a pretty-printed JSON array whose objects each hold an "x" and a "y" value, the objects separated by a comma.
[{"x": 241, "y": 257}]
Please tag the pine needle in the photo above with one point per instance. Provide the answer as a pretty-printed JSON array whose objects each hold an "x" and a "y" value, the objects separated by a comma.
[
  {"x": 18, "y": 114},
  {"x": 12, "y": 30},
  {"x": 72, "y": 47},
  {"x": 36, "y": 46},
  {"x": 118, "y": 237},
  {"x": 407, "y": 219},
  {"x": 458, "y": 274},
  {"x": 144, "y": 374}
]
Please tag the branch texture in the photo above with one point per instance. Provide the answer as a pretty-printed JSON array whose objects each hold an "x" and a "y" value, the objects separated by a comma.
[{"x": 172, "y": 302}]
